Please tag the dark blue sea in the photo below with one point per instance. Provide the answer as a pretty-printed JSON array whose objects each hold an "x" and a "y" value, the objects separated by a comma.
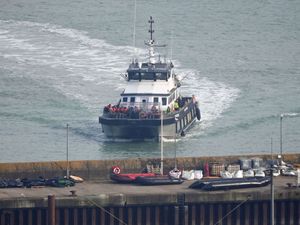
[{"x": 60, "y": 63}]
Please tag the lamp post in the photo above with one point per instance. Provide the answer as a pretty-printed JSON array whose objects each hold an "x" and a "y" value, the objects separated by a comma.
[
  {"x": 272, "y": 186},
  {"x": 161, "y": 141},
  {"x": 281, "y": 119},
  {"x": 176, "y": 119},
  {"x": 68, "y": 170},
  {"x": 272, "y": 196}
]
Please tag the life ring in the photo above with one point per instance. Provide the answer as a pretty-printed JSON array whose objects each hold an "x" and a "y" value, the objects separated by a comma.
[
  {"x": 116, "y": 170},
  {"x": 143, "y": 115}
]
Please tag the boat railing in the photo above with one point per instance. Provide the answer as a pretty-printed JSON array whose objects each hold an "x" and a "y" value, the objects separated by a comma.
[{"x": 142, "y": 110}]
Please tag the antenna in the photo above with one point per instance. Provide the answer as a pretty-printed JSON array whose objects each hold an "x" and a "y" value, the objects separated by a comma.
[
  {"x": 272, "y": 148},
  {"x": 171, "y": 45},
  {"x": 134, "y": 24},
  {"x": 150, "y": 43},
  {"x": 151, "y": 31}
]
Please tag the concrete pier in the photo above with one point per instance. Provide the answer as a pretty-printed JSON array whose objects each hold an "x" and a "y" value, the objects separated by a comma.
[{"x": 101, "y": 201}]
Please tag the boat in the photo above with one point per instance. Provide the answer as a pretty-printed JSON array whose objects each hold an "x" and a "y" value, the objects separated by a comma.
[
  {"x": 119, "y": 177},
  {"x": 76, "y": 179},
  {"x": 158, "y": 180},
  {"x": 231, "y": 183},
  {"x": 150, "y": 99},
  {"x": 199, "y": 184},
  {"x": 129, "y": 177}
]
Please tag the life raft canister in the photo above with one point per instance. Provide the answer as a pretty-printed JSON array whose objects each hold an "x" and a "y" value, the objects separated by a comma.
[
  {"x": 116, "y": 170},
  {"x": 198, "y": 113}
]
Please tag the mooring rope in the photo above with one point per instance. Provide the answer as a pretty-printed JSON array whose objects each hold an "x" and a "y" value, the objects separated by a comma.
[
  {"x": 230, "y": 212},
  {"x": 106, "y": 211}
]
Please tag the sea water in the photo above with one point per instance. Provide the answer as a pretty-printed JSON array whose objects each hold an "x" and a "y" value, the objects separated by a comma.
[{"x": 61, "y": 63}]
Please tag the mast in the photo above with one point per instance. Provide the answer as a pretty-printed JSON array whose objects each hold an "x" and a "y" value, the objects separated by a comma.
[
  {"x": 151, "y": 31},
  {"x": 134, "y": 24},
  {"x": 150, "y": 43}
]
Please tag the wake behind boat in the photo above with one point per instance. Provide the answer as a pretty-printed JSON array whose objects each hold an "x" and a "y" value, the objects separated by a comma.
[{"x": 150, "y": 101}]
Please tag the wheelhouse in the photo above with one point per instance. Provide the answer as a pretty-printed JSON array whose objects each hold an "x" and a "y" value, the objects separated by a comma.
[{"x": 149, "y": 71}]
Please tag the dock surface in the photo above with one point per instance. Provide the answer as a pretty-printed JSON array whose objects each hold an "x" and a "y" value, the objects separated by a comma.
[
  {"x": 100, "y": 201},
  {"x": 110, "y": 193}
]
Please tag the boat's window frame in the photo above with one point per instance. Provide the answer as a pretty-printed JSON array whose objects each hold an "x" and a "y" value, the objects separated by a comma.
[
  {"x": 148, "y": 76},
  {"x": 155, "y": 99},
  {"x": 132, "y": 99},
  {"x": 158, "y": 75},
  {"x": 125, "y": 99},
  {"x": 171, "y": 98},
  {"x": 164, "y": 101},
  {"x": 133, "y": 75},
  {"x": 163, "y": 76}
]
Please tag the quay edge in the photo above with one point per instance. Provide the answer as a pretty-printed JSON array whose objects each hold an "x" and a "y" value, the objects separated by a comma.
[
  {"x": 99, "y": 169},
  {"x": 99, "y": 201},
  {"x": 105, "y": 195},
  {"x": 170, "y": 205}
]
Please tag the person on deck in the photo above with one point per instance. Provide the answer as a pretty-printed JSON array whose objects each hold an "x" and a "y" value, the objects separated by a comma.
[
  {"x": 176, "y": 105},
  {"x": 194, "y": 99}
]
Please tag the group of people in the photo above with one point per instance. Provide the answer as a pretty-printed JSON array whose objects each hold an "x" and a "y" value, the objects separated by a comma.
[
  {"x": 115, "y": 109},
  {"x": 136, "y": 112}
]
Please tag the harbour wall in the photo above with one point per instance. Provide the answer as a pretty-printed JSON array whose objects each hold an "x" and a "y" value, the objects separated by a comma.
[
  {"x": 178, "y": 209},
  {"x": 99, "y": 169},
  {"x": 180, "y": 206}
]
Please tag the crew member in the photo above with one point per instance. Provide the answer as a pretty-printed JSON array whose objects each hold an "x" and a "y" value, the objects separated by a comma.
[{"x": 176, "y": 105}]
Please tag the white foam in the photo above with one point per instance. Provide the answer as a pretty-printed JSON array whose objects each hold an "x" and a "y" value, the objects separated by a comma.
[
  {"x": 80, "y": 66},
  {"x": 213, "y": 97}
]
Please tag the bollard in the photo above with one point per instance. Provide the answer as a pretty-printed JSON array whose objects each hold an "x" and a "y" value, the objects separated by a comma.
[{"x": 51, "y": 209}]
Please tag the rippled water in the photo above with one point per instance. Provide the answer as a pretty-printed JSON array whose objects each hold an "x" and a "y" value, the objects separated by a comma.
[{"x": 60, "y": 62}]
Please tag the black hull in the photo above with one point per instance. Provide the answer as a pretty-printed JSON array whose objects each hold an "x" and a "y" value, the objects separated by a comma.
[
  {"x": 158, "y": 180},
  {"x": 129, "y": 178},
  {"x": 233, "y": 183},
  {"x": 122, "y": 127}
]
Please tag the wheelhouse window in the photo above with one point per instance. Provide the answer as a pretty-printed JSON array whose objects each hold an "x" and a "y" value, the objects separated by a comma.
[
  {"x": 142, "y": 76},
  {"x": 155, "y": 99},
  {"x": 148, "y": 76},
  {"x": 132, "y": 99},
  {"x": 134, "y": 75},
  {"x": 158, "y": 75},
  {"x": 164, "y": 101},
  {"x": 161, "y": 76},
  {"x": 125, "y": 99}
]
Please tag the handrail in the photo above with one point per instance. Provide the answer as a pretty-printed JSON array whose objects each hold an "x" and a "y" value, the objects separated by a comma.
[{"x": 142, "y": 110}]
